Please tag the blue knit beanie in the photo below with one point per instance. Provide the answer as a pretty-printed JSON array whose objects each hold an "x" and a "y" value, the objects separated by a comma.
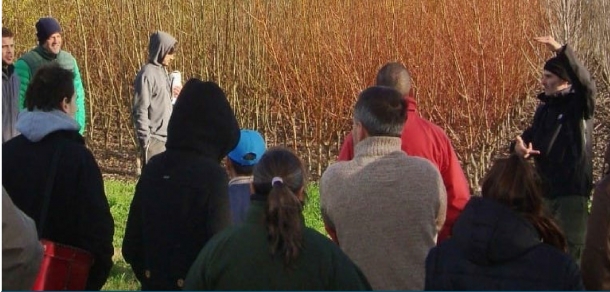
[{"x": 45, "y": 27}]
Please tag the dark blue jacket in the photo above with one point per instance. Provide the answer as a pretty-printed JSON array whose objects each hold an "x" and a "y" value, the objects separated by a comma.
[
  {"x": 493, "y": 248},
  {"x": 239, "y": 198}
]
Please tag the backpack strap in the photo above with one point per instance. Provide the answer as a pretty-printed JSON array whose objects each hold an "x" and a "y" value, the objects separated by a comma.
[{"x": 48, "y": 189}]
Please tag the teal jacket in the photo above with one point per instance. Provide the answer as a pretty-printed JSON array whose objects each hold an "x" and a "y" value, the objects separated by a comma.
[
  {"x": 27, "y": 65},
  {"x": 238, "y": 259}
]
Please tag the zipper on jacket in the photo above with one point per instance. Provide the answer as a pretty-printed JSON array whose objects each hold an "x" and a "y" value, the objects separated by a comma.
[{"x": 548, "y": 151}]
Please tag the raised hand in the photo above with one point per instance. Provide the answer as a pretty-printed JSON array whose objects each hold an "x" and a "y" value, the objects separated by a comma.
[{"x": 550, "y": 42}]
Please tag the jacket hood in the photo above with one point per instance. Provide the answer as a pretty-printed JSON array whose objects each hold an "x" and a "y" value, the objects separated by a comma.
[
  {"x": 202, "y": 121},
  {"x": 159, "y": 45},
  {"x": 489, "y": 232},
  {"x": 35, "y": 125}
]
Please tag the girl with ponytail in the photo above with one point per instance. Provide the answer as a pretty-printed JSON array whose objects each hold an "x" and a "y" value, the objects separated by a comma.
[
  {"x": 280, "y": 181},
  {"x": 273, "y": 249},
  {"x": 504, "y": 240}
]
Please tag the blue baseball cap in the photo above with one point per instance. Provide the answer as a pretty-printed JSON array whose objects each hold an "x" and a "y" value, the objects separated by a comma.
[{"x": 249, "y": 149}]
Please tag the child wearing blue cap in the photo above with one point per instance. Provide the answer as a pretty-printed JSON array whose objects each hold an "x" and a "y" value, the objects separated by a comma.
[{"x": 240, "y": 165}]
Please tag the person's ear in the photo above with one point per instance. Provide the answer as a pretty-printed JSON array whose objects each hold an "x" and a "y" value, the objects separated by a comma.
[
  {"x": 65, "y": 105},
  {"x": 228, "y": 164},
  {"x": 363, "y": 133},
  {"x": 301, "y": 194},
  {"x": 358, "y": 132}
]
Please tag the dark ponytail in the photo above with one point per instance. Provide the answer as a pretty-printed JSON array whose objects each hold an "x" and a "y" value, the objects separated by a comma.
[
  {"x": 280, "y": 176},
  {"x": 549, "y": 231},
  {"x": 513, "y": 182}
]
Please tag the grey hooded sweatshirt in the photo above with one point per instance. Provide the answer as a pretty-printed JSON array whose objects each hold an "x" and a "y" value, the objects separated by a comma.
[
  {"x": 35, "y": 125},
  {"x": 152, "y": 105}
]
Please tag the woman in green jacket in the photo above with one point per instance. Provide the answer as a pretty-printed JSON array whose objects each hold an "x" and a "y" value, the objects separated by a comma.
[{"x": 273, "y": 249}]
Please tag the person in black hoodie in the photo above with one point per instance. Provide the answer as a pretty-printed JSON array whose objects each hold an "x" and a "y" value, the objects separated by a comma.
[
  {"x": 78, "y": 212},
  {"x": 560, "y": 139},
  {"x": 181, "y": 199},
  {"x": 504, "y": 240}
]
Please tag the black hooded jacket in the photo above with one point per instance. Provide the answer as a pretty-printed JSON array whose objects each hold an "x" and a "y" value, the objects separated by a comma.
[
  {"x": 181, "y": 199},
  {"x": 78, "y": 213},
  {"x": 562, "y": 132},
  {"x": 493, "y": 248}
]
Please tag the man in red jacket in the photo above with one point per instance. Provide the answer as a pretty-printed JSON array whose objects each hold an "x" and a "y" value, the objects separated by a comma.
[{"x": 422, "y": 138}]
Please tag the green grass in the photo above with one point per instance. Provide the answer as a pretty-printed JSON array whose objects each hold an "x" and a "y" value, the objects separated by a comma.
[
  {"x": 119, "y": 198},
  {"x": 313, "y": 216}
]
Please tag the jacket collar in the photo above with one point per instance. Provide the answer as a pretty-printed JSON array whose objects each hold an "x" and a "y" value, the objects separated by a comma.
[
  {"x": 411, "y": 103},
  {"x": 7, "y": 71},
  {"x": 558, "y": 97},
  {"x": 35, "y": 125},
  {"x": 240, "y": 180},
  {"x": 377, "y": 146},
  {"x": 46, "y": 54},
  {"x": 411, "y": 107}
]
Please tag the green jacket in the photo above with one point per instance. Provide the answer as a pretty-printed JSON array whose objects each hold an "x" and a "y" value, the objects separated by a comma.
[
  {"x": 27, "y": 65},
  {"x": 238, "y": 259}
]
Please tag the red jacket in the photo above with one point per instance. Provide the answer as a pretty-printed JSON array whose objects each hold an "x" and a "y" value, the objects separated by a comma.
[{"x": 422, "y": 138}]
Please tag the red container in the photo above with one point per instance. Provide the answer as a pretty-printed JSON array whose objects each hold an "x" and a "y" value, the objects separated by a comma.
[{"x": 63, "y": 267}]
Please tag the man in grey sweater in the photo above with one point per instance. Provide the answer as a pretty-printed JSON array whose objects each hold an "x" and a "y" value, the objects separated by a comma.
[
  {"x": 383, "y": 207},
  {"x": 152, "y": 103}
]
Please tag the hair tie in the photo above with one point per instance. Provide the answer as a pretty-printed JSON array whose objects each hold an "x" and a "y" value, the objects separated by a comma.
[{"x": 276, "y": 179}]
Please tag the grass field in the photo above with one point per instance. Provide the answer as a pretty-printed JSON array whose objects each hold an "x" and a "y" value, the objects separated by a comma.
[{"x": 119, "y": 197}]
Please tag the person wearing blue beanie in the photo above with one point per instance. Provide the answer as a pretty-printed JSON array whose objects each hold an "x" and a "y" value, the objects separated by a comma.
[{"x": 46, "y": 27}]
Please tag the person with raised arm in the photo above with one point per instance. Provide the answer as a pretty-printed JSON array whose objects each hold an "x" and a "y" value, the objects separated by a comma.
[{"x": 560, "y": 140}]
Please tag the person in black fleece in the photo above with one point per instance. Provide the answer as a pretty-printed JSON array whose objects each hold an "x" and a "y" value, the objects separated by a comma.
[
  {"x": 560, "y": 141},
  {"x": 181, "y": 199}
]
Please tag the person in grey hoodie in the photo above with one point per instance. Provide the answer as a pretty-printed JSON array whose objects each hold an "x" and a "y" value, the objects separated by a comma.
[
  {"x": 152, "y": 104},
  {"x": 78, "y": 211}
]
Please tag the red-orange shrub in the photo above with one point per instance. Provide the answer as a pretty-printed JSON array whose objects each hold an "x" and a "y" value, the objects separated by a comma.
[{"x": 292, "y": 69}]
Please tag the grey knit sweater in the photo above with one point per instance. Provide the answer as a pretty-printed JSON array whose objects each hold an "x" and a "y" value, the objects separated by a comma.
[{"x": 386, "y": 208}]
